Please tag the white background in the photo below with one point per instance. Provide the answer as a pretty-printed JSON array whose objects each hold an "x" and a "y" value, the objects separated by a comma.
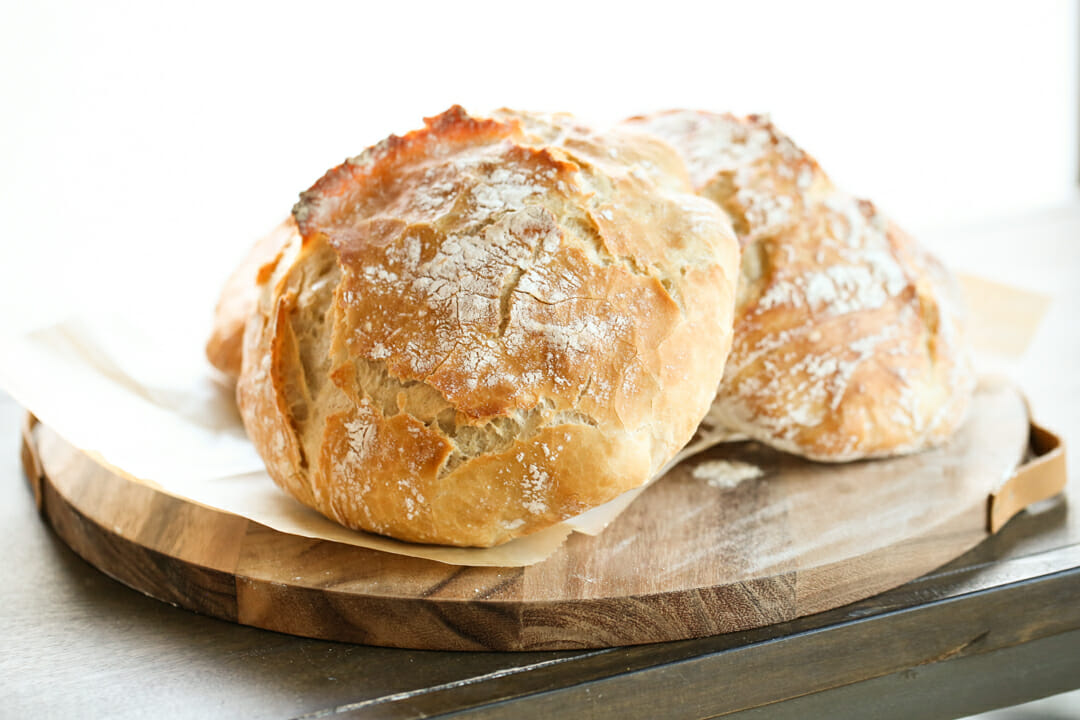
[{"x": 143, "y": 148}]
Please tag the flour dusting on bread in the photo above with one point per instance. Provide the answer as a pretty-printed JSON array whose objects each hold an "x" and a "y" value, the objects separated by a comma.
[
  {"x": 847, "y": 341},
  {"x": 487, "y": 326}
]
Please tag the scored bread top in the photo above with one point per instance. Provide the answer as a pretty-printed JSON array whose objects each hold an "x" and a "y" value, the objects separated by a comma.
[
  {"x": 487, "y": 326},
  {"x": 848, "y": 340}
]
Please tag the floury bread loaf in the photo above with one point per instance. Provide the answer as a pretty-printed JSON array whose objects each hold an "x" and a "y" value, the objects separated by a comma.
[
  {"x": 848, "y": 340},
  {"x": 485, "y": 327}
]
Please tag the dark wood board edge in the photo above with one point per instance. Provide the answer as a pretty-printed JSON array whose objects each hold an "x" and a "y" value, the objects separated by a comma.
[
  {"x": 507, "y": 626},
  {"x": 201, "y": 589}
]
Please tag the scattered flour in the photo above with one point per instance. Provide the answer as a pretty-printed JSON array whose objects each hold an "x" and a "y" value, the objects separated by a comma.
[{"x": 725, "y": 474}]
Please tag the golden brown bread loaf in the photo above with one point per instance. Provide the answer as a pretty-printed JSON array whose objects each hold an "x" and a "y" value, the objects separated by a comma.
[
  {"x": 847, "y": 333},
  {"x": 487, "y": 326}
]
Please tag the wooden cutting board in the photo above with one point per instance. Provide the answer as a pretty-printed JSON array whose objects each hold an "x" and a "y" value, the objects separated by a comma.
[{"x": 690, "y": 558}]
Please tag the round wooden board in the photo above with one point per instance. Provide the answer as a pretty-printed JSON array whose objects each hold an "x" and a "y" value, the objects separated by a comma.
[{"x": 687, "y": 559}]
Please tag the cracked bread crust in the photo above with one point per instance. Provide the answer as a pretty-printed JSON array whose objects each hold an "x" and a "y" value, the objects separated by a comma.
[
  {"x": 487, "y": 326},
  {"x": 848, "y": 335}
]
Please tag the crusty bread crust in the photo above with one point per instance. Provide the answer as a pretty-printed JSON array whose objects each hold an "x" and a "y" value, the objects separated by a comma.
[
  {"x": 239, "y": 297},
  {"x": 848, "y": 339},
  {"x": 487, "y": 326}
]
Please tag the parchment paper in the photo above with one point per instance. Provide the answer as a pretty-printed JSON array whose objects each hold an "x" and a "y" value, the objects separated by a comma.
[{"x": 145, "y": 403}]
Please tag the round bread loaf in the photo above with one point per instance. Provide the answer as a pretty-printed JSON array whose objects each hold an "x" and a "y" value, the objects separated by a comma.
[
  {"x": 848, "y": 338},
  {"x": 487, "y": 326}
]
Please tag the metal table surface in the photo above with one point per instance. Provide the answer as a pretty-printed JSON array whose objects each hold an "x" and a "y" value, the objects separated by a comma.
[{"x": 996, "y": 627}]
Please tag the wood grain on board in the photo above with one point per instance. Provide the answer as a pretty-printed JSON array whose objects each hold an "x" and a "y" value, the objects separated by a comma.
[{"x": 689, "y": 558}]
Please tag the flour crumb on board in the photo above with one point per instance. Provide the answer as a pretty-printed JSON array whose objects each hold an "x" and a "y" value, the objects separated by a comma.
[{"x": 725, "y": 474}]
